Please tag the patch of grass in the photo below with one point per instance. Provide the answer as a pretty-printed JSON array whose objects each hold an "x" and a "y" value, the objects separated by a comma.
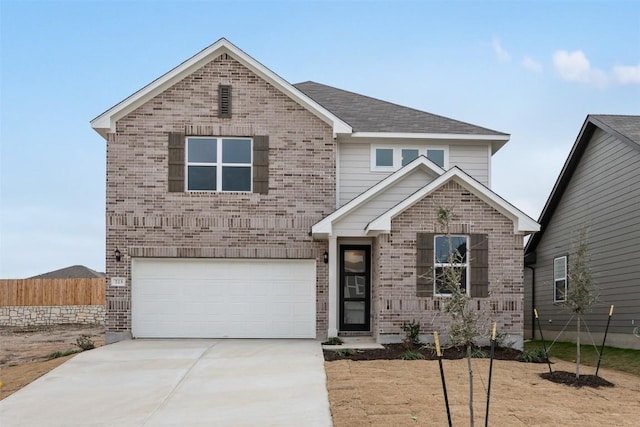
[
  {"x": 56, "y": 354},
  {"x": 619, "y": 359},
  {"x": 412, "y": 355}
]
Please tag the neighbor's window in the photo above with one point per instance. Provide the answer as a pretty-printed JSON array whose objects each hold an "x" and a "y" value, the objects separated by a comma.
[
  {"x": 450, "y": 262},
  {"x": 387, "y": 159},
  {"x": 218, "y": 164},
  {"x": 560, "y": 279}
]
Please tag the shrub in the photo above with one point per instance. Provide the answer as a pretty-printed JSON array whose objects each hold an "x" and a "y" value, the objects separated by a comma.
[
  {"x": 345, "y": 352},
  {"x": 535, "y": 355},
  {"x": 85, "y": 342},
  {"x": 412, "y": 355},
  {"x": 478, "y": 353},
  {"x": 333, "y": 341},
  {"x": 411, "y": 332}
]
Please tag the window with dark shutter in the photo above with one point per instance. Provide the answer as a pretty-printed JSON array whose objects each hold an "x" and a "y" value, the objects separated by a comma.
[
  {"x": 176, "y": 162},
  {"x": 424, "y": 264},
  {"x": 261, "y": 164},
  {"x": 224, "y": 101},
  {"x": 479, "y": 265}
]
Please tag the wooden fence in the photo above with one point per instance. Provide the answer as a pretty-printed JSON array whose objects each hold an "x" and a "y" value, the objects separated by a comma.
[{"x": 46, "y": 292}]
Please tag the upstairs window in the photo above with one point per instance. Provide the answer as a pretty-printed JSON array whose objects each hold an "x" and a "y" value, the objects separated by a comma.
[
  {"x": 218, "y": 164},
  {"x": 389, "y": 159},
  {"x": 450, "y": 262},
  {"x": 560, "y": 279}
]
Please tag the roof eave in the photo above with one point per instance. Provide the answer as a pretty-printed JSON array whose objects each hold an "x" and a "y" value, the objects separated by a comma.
[{"x": 497, "y": 141}]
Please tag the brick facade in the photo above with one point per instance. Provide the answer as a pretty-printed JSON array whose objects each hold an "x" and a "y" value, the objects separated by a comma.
[
  {"x": 145, "y": 220},
  {"x": 394, "y": 299}
]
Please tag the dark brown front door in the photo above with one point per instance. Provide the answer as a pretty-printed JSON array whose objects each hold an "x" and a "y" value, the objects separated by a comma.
[{"x": 355, "y": 288}]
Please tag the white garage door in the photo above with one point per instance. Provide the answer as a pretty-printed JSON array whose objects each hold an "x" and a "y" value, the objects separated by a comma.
[{"x": 225, "y": 298}]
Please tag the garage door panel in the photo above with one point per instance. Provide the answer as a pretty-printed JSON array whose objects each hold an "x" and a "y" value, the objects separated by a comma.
[{"x": 223, "y": 298}]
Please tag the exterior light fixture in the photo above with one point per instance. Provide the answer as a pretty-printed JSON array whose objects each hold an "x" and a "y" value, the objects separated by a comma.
[
  {"x": 325, "y": 257},
  {"x": 118, "y": 255}
]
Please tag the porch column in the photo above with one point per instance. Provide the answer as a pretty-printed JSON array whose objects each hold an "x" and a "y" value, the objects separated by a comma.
[{"x": 333, "y": 288}]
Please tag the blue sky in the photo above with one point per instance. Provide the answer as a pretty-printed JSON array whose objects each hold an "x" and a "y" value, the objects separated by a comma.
[{"x": 531, "y": 69}]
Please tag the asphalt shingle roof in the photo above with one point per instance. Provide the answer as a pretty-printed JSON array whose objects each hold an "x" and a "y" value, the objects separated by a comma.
[
  {"x": 366, "y": 114},
  {"x": 73, "y": 272},
  {"x": 628, "y": 126}
]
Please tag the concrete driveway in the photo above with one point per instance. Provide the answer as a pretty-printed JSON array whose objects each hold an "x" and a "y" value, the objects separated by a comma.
[{"x": 180, "y": 383}]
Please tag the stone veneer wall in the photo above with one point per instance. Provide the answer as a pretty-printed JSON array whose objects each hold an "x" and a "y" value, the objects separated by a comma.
[
  {"x": 145, "y": 220},
  {"x": 394, "y": 259},
  {"x": 52, "y": 315}
]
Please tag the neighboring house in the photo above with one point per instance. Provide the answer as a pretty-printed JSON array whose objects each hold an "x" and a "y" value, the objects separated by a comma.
[
  {"x": 73, "y": 272},
  {"x": 243, "y": 206},
  {"x": 598, "y": 189}
]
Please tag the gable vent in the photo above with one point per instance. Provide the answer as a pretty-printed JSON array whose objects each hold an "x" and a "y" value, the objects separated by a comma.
[{"x": 224, "y": 101}]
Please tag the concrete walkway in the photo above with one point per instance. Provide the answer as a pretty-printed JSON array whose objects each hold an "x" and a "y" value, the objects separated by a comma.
[{"x": 180, "y": 383}]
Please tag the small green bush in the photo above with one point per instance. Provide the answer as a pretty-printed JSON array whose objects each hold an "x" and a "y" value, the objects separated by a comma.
[
  {"x": 534, "y": 355},
  {"x": 412, "y": 332},
  {"x": 412, "y": 355},
  {"x": 345, "y": 352},
  {"x": 85, "y": 342},
  {"x": 57, "y": 354},
  {"x": 478, "y": 353},
  {"x": 333, "y": 341}
]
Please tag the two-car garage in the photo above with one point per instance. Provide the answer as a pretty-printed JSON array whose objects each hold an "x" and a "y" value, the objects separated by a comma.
[{"x": 223, "y": 298}]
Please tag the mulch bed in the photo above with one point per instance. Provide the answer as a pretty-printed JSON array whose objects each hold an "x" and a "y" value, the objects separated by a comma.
[
  {"x": 395, "y": 352},
  {"x": 569, "y": 378}
]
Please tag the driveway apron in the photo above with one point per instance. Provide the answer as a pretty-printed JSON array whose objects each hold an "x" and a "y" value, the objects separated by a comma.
[{"x": 180, "y": 383}]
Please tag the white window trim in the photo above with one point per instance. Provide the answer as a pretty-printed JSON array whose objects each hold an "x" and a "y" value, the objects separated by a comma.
[
  {"x": 446, "y": 264},
  {"x": 557, "y": 279},
  {"x": 219, "y": 164},
  {"x": 397, "y": 155}
]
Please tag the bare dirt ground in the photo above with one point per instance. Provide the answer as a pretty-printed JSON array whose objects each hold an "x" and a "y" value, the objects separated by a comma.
[
  {"x": 409, "y": 393},
  {"x": 24, "y": 351}
]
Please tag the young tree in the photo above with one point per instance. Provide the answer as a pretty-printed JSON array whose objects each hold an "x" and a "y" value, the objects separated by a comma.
[
  {"x": 467, "y": 324},
  {"x": 581, "y": 296}
]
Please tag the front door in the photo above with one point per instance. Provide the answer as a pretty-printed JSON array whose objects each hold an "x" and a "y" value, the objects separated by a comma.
[{"x": 355, "y": 288}]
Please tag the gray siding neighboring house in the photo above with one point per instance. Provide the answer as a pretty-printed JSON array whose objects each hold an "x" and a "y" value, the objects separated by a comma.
[{"x": 598, "y": 188}]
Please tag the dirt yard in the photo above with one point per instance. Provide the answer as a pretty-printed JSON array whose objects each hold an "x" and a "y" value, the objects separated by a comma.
[
  {"x": 24, "y": 351},
  {"x": 409, "y": 393}
]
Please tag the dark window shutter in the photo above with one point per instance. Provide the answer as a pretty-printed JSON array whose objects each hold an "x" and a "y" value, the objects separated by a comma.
[
  {"x": 224, "y": 101},
  {"x": 261, "y": 164},
  {"x": 424, "y": 264},
  {"x": 479, "y": 265},
  {"x": 176, "y": 162}
]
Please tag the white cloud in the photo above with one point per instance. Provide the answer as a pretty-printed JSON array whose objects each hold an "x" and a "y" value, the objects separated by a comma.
[
  {"x": 627, "y": 74},
  {"x": 575, "y": 67},
  {"x": 531, "y": 64},
  {"x": 500, "y": 52}
]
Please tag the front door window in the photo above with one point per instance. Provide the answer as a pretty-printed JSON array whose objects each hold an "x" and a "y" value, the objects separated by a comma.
[{"x": 355, "y": 279}]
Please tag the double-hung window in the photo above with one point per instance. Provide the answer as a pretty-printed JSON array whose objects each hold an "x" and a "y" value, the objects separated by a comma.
[
  {"x": 389, "y": 159},
  {"x": 560, "y": 279},
  {"x": 451, "y": 263},
  {"x": 219, "y": 164}
]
